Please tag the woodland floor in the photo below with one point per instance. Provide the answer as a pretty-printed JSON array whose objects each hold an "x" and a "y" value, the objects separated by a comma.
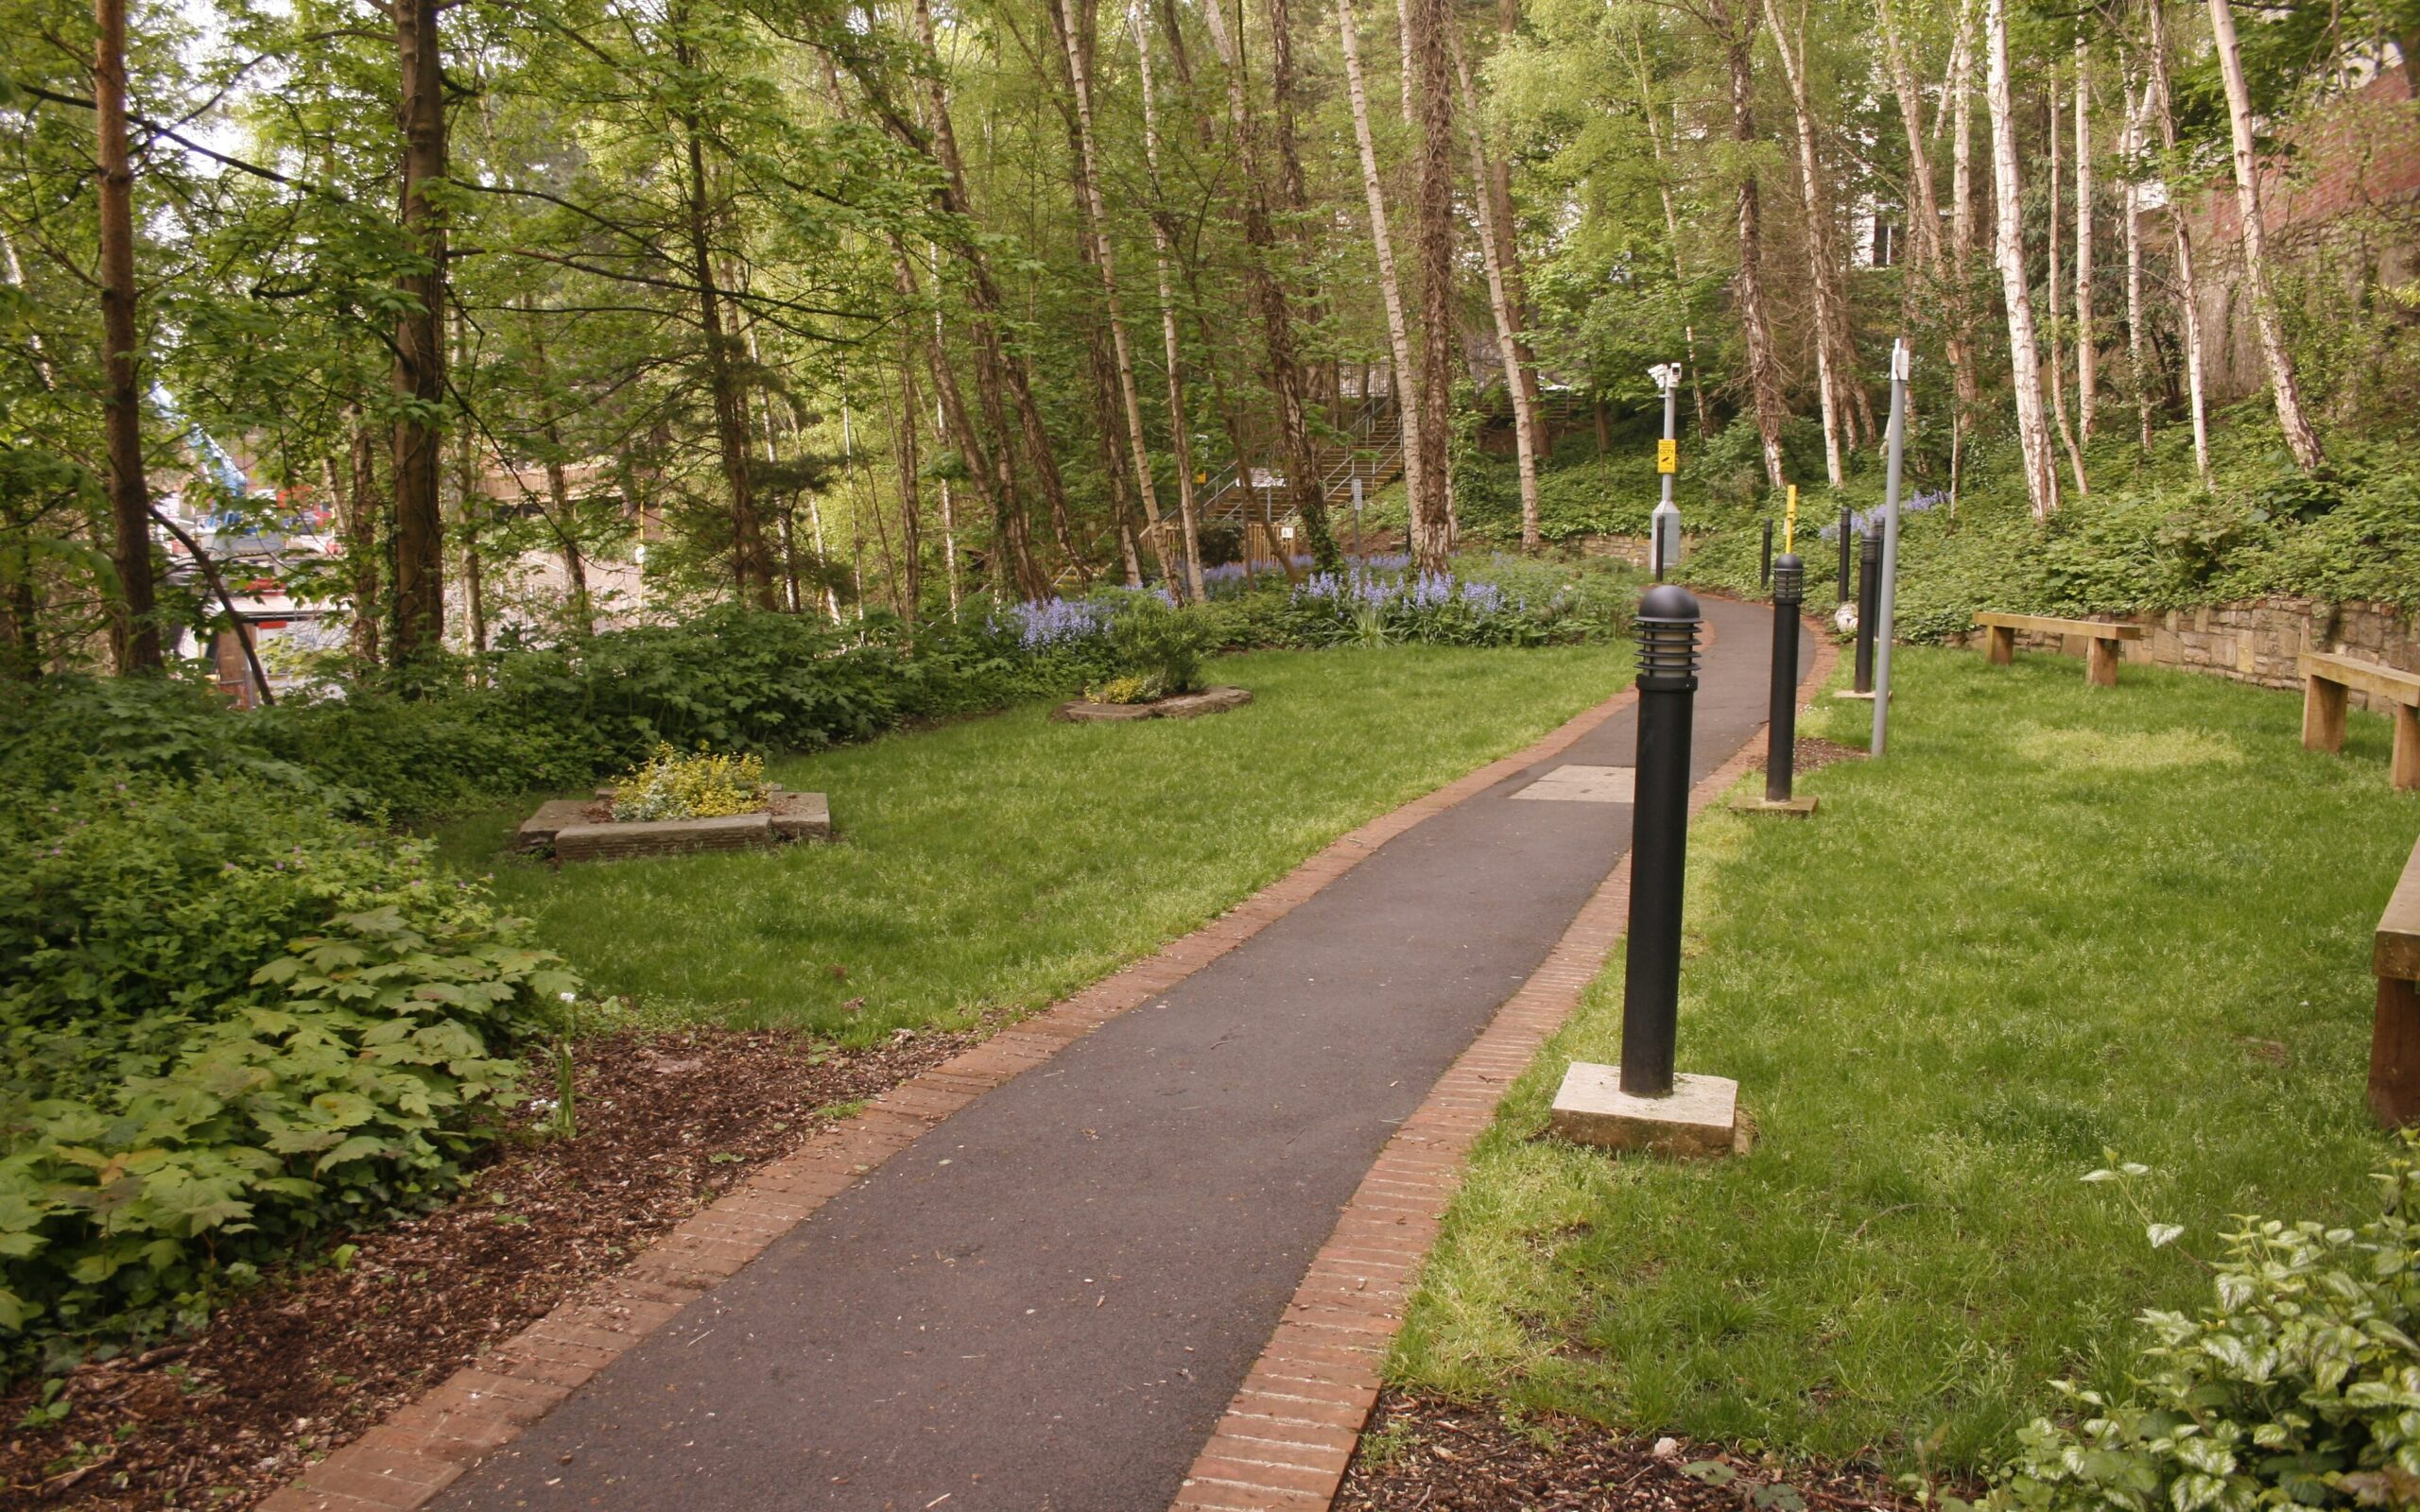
[
  {"x": 1426, "y": 1455},
  {"x": 320, "y": 1354}
]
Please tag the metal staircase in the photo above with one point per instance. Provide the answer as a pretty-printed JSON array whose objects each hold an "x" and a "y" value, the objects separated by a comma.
[{"x": 1370, "y": 448}]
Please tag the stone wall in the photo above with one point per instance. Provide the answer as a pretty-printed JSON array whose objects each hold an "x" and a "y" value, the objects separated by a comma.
[{"x": 2257, "y": 640}]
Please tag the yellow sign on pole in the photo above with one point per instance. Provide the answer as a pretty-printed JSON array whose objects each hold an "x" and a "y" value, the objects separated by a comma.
[
  {"x": 1789, "y": 520},
  {"x": 1668, "y": 456}
]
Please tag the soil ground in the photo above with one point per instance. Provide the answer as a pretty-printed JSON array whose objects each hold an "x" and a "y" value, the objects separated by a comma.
[
  {"x": 320, "y": 1354},
  {"x": 1429, "y": 1455}
]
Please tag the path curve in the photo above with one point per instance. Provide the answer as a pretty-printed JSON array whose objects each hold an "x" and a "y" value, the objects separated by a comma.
[{"x": 1046, "y": 1301}]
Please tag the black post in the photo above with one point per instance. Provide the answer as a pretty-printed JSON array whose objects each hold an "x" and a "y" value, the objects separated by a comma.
[
  {"x": 1667, "y": 685},
  {"x": 1765, "y": 564},
  {"x": 1842, "y": 593},
  {"x": 1869, "y": 605},
  {"x": 1781, "y": 740}
]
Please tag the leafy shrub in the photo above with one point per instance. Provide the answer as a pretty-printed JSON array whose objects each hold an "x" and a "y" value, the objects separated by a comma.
[
  {"x": 133, "y": 893},
  {"x": 697, "y": 785},
  {"x": 1128, "y": 689},
  {"x": 1160, "y": 643},
  {"x": 2300, "y": 1388},
  {"x": 150, "y": 1160}
]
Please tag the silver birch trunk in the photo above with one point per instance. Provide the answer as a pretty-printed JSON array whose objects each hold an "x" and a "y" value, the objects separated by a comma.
[
  {"x": 1819, "y": 253},
  {"x": 2189, "y": 306},
  {"x": 1491, "y": 253},
  {"x": 1179, "y": 443},
  {"x": 2300, "y": 438},
  {"x": 2131, "y": 202},
  {"x": 2008, "y": 247},
  {"x": 1382, "y": 242},
  {"x": 2087, "y": 329},
  {"x": 1096, "y": 228}
]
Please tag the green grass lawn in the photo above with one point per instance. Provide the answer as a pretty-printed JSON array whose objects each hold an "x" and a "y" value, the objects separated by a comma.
[
  {"x": 1002, "y": 863},
  {"x": 2056, "y": 920}
]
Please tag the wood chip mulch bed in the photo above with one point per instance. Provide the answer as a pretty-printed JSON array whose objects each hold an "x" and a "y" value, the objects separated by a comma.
[
  {"x": 1422, "y": 1456},
  {"x": 1810, "y": 755},
  {"x": 320, "y": 1354}
]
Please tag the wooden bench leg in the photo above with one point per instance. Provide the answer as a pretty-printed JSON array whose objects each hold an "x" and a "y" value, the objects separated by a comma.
[
  {"x": 2394, "y": 1054},
  {"x": 2324, "y": 715},
  {"x": 2407, "y": 747},
  {"x": 2100, "y": 662},
  {"x": 1999, "y": 646}
]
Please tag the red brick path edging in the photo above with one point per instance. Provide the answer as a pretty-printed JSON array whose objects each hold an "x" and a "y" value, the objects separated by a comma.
[
  {"x": 422, "y": 1447},
  {"x": 1288, "y": 1434}
]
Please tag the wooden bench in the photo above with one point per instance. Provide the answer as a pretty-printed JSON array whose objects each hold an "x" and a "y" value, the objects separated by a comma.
[
  {"x": 2394, "y": 1036},
  {"x": 2100, "y": 663},
  {"x": 2328, "y": 680}
]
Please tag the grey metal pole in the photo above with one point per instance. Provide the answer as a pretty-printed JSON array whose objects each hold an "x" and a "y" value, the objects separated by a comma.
[
  {"x": 1664, "y": 531},
  {"x": 1357, "y": 516},
  {"x": 1667, "y": 685},
  {"x": 1898, "y": 440},
  {"x": 1765, "y": 559},
  {"x": 1781, "y": 740},
  {"x": 1843, "y": 592}
]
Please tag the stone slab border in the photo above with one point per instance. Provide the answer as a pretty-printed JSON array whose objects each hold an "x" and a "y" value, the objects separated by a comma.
[
  {"x": 1175, "y": 706},
  {"x": 422, "y": 1447},
  {"x": 1289, "y": 1433}
]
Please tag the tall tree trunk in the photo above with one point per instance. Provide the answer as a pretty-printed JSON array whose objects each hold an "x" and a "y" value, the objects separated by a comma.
[
  {"x": 1180, "y": 438},
  {"x": 361, "y": 550},
  {"x": 1737, "y": 36},
  {"x": 995, "y": 367},
  {"x": 949, "y": 520},
  {"x": 911, "y": 492},
  {"x": 1819, "y": 247},
  {"x": 1648, "y": 111},
  {"x": 751, "y": 571},
  {"x": 2087, "y": 329},
  {"x": 1490, "y": 242},
  {"x": 1011, "y": 566},
  {"x": 420, "y": 342},
  {"x": 1406, "y": 388},
  {"x": 2130, "y": 205},
  {"x": 2300, "y": 438},
  {"x": 1302, "y": 483},
  {"x": 1964, "y": 374},
  {"x": 134, "y": 628},
  {"x": 1078, "y": 50},
  {"x": 1432, "y": 519},
  {"x": 560, "y": 515},
  {"x": 2008, "y": 246},
  {"x": 2056, "y": 293},
  {"x": 2189, "y": 305},
  {"x": 995, "y": 359},
  {"x": 466, "y": 490},
  {"x": 1924, "y": 206}
]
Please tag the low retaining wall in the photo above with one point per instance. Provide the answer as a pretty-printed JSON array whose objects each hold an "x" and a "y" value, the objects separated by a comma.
[{"x": 2257, "y": 641}]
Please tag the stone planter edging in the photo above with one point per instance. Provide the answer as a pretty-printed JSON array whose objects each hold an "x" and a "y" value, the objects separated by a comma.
[{"x": 1177, "y": 706}]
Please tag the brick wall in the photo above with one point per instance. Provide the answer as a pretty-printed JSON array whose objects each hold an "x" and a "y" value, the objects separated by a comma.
[{"x": 2347, "y": 192}]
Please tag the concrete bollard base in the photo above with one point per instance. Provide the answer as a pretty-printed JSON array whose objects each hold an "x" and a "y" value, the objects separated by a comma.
[{"x": 1701, "y": 1117}]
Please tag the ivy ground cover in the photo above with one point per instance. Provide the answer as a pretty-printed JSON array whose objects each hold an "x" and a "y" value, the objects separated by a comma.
[
  {"x": 2057, "y": 922},
  {"x": 1001, "y": 862}
]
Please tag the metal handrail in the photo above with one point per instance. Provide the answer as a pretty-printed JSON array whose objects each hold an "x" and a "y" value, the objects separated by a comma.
[{"x": 1358, "y": 429}]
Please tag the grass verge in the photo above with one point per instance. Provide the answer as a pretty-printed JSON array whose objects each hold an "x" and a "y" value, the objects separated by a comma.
[
  {"x": 2057, "y": 920},
  {"x": 1002, "y": 863}
]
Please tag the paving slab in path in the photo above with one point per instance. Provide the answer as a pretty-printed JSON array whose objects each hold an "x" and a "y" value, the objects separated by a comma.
[{"x": 1047, "y": 1300}]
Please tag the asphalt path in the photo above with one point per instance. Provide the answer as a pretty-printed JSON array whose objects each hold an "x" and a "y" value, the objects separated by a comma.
[{"x": 1046, "y": 1303}]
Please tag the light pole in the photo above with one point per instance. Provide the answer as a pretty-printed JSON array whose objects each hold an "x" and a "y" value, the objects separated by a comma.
[
  {"x": 1900, "y": 361},
  {"x": 1663, "y": 533}
]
